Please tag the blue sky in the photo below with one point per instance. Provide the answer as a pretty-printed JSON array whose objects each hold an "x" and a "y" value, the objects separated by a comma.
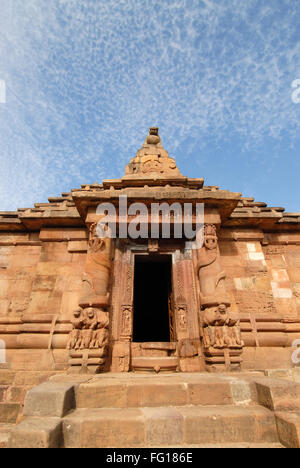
[{"x": 86, "y": 78}]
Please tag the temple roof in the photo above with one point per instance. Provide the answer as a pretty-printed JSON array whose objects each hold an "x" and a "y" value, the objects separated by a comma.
[
  {"x": 152, "y": 160},
  {"x": 151, "y": 175}
]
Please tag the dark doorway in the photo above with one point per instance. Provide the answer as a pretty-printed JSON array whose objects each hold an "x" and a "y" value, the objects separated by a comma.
[{"x": 152, "y": 294}]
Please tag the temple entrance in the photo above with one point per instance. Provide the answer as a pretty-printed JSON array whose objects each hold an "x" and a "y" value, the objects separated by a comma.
[{"x": 152, "y": 320}]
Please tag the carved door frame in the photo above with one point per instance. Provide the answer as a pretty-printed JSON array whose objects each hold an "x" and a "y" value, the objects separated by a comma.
[{"x": 184, "y": 292}]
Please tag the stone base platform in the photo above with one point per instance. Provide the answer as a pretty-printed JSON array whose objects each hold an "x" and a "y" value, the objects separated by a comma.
[{"x": 243, "y": 410}]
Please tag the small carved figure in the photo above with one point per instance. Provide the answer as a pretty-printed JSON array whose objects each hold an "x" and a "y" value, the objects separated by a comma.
[
  {"x": 89, "y": 325},
  {"x": 100, "y": 334},
  {"x": 90, "y": 330},
  {"x": 74, "y": 341}
]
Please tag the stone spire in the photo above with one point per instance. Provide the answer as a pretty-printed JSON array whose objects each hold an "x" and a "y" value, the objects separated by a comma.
[{"x": 152, "y": 160}]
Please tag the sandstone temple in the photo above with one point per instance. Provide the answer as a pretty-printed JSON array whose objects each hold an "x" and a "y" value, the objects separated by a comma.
[{"x": 214, "y": 325}]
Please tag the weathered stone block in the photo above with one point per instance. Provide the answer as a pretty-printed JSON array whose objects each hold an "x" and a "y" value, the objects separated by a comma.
[
  {"x": 36, "y": 433},
  {"x": 43, "y": 302},
  {"x": 228, "y": 424},
  {"x": 288, "y": 426},
  {"x": 24, "y": 260},
  {"x": 104, "y": 428},
  {"x": 9, "y": 412},
  {"x": 16, "y": 394},
  {"x": 4, "y": 288},
  {"x": 69, "y": 303},
  {"x": 164, "y": 426},
  {"x": 54, "y": 234},
  {"x": 4, "y": 306},
  {"x": 79, "y": 258},
  {"x": 156, "y": 394},
  {"x": 77, "y": 246},
  {"x": 55, "y": 252},
  {"x": 101, "y": 395},
  {"x": 20, "y": 287},
  {"x": 32, "y": 378},
  {"x": 44, "y": 283},
  {"x": 3, "y": 390},
  {"x": 294, "y": 274},
  {"x": 277, "y": 394},
  {"x": 7, "y": 377},
  {"x": 209, "y": 392},
  {"x": 50, "y": 399}
]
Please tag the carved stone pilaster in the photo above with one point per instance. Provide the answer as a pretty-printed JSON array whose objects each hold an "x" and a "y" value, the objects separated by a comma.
[
  {"x": 89, "y": 339},
  {"x": 221, "y": 331}
]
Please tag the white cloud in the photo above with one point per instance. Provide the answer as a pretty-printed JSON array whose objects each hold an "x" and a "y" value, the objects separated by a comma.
[{"x": 86, "y": 78}]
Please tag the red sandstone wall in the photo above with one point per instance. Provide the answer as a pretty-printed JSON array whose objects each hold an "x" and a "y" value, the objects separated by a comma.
[
  {"x": 40, "y": 280},
  {"x": 263, "y": 279}
]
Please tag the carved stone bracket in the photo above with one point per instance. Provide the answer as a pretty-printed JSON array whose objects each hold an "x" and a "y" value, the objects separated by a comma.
[{"x": 88, "y": 341}]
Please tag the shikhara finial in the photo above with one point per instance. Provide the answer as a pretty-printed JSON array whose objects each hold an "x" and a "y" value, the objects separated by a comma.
[{"x": 153, "y": 137}]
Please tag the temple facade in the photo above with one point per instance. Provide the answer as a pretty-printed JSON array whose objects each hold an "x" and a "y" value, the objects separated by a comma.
[{"x": 73, "y": 300}]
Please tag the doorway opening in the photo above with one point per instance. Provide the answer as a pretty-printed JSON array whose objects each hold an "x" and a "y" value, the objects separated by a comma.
[{"x": 152, "y": 298}]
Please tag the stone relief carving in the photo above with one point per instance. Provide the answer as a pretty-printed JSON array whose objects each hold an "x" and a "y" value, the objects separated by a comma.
[
  {"x": 126, "y": 328},
  {"x": 90, "y": 330},
  {"x": 152, "y": 166},
  {"x": 181, "y": 314},
  {"x": 220, "y": 329}
]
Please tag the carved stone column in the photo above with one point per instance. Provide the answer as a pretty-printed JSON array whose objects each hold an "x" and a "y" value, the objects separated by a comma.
[
  {"x": 89, "y": 339},
  {"x": 221, "y": 331}
]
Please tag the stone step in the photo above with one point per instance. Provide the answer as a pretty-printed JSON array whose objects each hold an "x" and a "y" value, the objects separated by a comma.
[
  {"x": 288, "y": 426},
  {"x": 153, "y": 426},
  {"x": 155, "y": 364},
  {"x": 157, "y": 427},
  {"x": 154, "y": 350},
  {"x": 278, "y": 394},
  {"x": 175, "y": 390}
]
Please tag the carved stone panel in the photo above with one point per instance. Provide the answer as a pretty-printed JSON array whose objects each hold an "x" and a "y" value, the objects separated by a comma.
[
  {"x": 127, "y": 320},
  {"x": 181, "y": 316}
]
